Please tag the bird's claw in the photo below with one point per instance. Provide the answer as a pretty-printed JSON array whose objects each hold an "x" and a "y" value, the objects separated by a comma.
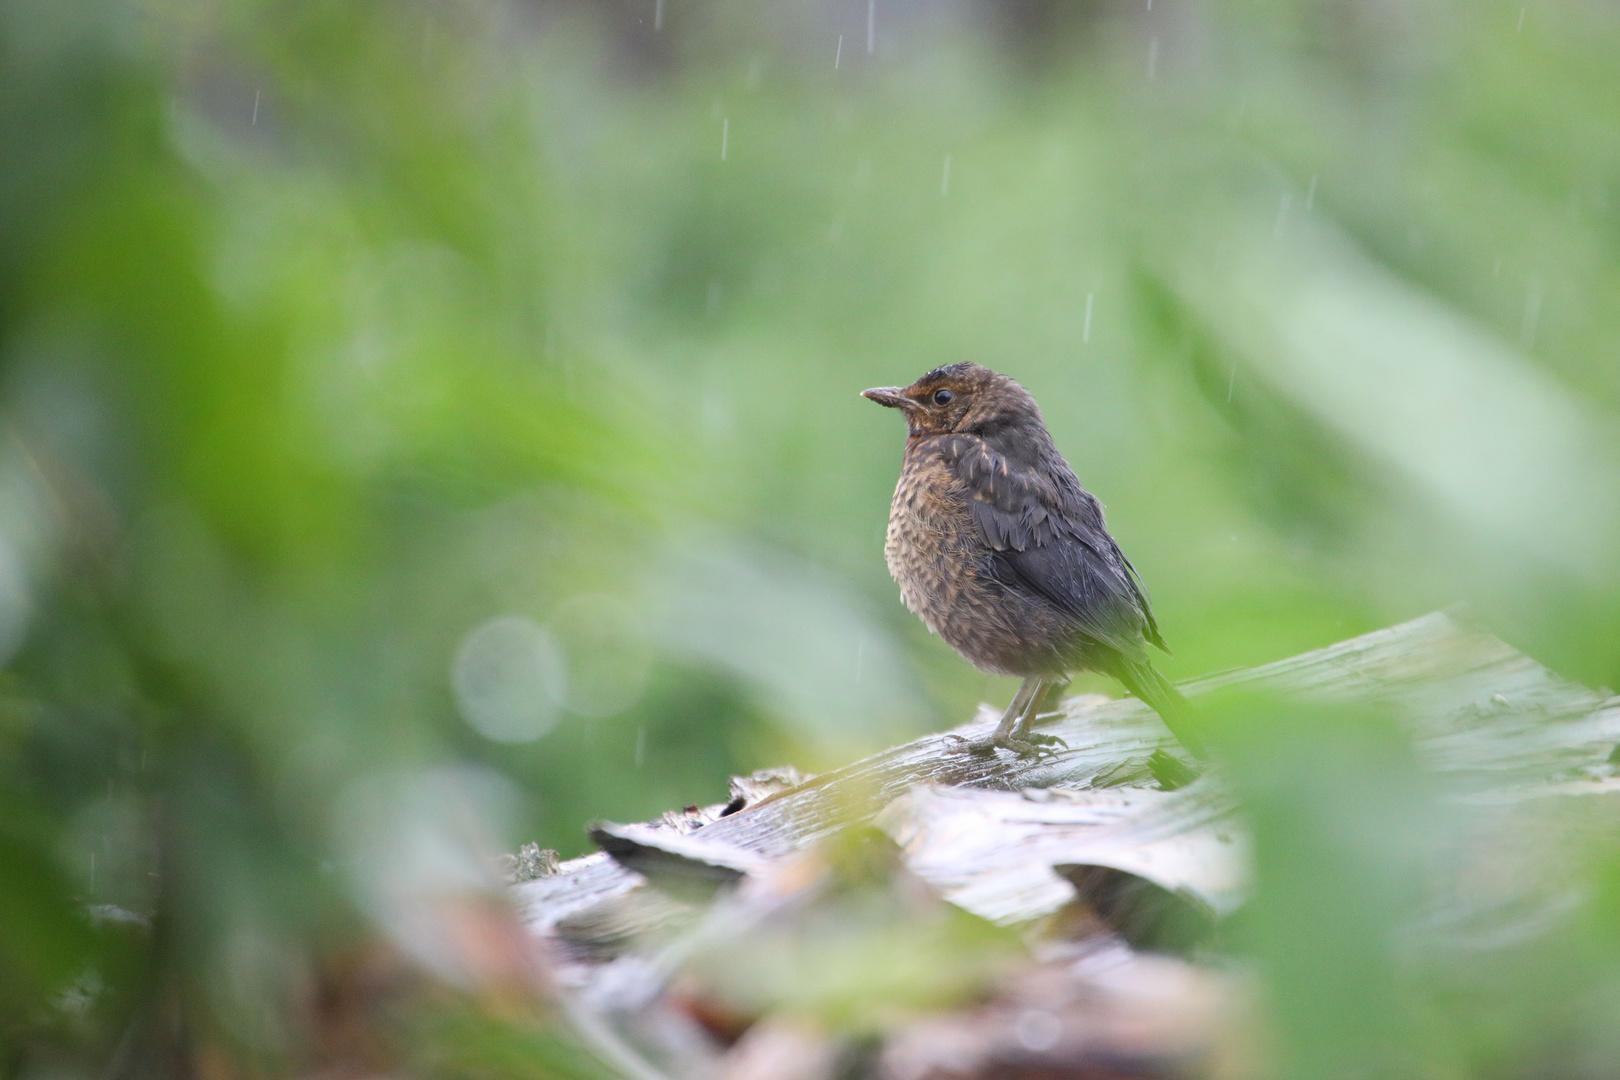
[{"x": 1032, "y": 745}]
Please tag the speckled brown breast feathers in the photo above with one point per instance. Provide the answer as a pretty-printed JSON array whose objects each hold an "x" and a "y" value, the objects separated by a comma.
[
  {"x": 929, "y": 547},
  {"x": 949, "y": 571}
]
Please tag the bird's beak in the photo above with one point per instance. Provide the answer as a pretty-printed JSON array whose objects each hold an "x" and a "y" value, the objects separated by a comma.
[{"x": 890, "y": 396}]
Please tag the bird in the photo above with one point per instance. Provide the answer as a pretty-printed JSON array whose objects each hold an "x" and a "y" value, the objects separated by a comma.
[{"x": 1001, "y": 552}]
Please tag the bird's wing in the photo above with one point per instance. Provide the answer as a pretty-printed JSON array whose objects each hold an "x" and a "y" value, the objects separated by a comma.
[{"x": 1048, "y": 537}]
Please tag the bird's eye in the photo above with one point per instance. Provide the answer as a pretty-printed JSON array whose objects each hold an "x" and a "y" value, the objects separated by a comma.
[{"x": 943, "y": 397}]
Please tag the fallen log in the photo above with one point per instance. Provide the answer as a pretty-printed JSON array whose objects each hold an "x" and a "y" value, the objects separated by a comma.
[{"x": 1018, "y": 843}]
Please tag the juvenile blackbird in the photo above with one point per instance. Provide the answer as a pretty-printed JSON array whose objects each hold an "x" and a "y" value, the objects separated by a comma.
[{"x": 1001, "y": 552}]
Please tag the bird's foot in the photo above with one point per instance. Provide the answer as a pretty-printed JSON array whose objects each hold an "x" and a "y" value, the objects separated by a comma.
[{"x": 1031, "y": 745}]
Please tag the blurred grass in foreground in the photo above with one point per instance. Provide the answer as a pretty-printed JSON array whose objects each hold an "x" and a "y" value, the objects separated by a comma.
[{"x": 420, "y": 436}]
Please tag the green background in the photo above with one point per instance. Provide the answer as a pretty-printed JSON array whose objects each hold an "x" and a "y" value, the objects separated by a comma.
[{"x": 331, "y": 333}]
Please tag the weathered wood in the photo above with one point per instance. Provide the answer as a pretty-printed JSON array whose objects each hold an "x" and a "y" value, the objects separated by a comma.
[
  {"x": 1015, "y": 840},
  {"x": 993, "y": 853},
  {"x": 1481, "y": 710}
]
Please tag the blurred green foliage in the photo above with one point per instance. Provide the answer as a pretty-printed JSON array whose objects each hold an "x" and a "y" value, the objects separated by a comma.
[
  {"x": 859, "y": 949},
  {"x": 333, "y": 333}
]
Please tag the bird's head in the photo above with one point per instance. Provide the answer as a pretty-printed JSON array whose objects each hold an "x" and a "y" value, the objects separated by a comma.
[{"x": 962, "y": 397}]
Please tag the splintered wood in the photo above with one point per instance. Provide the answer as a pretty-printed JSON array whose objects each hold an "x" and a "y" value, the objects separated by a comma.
[{"x": 930, "y": 913}]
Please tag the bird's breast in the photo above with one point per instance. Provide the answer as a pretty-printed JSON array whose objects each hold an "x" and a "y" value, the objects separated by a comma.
[
  {"x": 929, "y": 546},
  {"x": 942, "y": 566},
  {"x": 946, "y": 577}
]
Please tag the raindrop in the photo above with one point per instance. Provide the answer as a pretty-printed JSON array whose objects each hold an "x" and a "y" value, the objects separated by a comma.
[
  {"x": 725, "y": 136},
  {"x": 658, "y": 14},
  {"x": 1231, "y": 381},
  {"x": 255, "y": 122},
  {"x": 1085, "y": 332},
  {"x": 1310, "y": 194},
  {"x": 509, "y": 679},
  {"x": 1521, "y": 18},
  {"x": 945, "y": 179},
  {"x": 838, "y": 53},
  {"x": 1281, "y": 223}
]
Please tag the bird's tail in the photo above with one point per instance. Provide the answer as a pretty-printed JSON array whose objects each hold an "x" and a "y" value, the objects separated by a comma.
[{"x": 1144, "y": 680}]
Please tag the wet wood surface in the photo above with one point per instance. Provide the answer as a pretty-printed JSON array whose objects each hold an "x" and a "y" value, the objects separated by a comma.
[
  {"x": 1479, "y": 708},
  {"x": 1014, "y": 841}
]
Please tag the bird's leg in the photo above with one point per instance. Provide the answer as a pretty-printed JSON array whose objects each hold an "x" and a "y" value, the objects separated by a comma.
[
  {"x": 1021, "y": 732},
  {"x": 1013, "y": 732},
  {"x": 1013, "y": 719},
  {"x": 1003, "y": 735}
]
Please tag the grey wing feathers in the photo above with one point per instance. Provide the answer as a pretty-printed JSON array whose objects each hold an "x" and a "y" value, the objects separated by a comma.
[{"x": 1048, "y": 536}]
